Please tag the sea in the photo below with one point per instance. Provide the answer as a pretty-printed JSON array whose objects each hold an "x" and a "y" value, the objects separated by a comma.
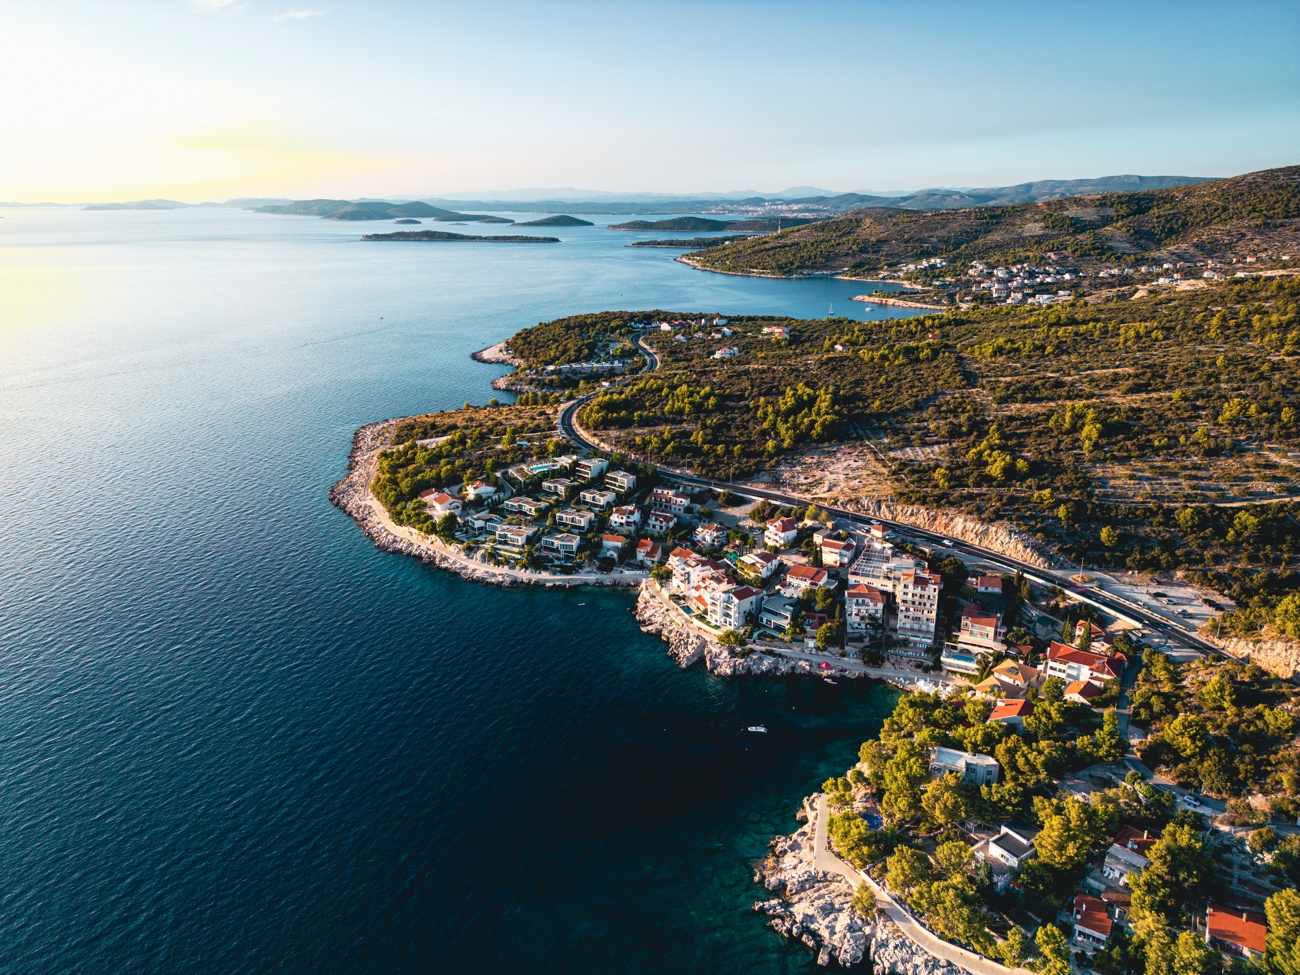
[{"x": 235, "y": 737}]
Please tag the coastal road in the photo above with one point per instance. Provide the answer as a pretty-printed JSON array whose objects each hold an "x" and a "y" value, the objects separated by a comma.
[
  {"x": 1115, "y": 605},
  {"x": 824, "y": 859}
]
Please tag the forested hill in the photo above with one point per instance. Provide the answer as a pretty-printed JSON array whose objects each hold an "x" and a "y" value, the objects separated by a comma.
[{"x": 1218, "y": 219}]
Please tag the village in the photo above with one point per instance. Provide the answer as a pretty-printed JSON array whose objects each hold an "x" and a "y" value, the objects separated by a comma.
[{"x": 1025, "y": 671}]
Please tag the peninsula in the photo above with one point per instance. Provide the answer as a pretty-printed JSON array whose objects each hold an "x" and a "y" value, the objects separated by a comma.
[
  {"x": 1070, "y": 739},
  {"x": 689, "y": 243},
  {"x": 697, "y": 225},
  {"x": 446, "y": 236}
]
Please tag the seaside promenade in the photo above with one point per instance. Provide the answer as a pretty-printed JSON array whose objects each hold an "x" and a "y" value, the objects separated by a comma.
[{"x": 824, "y": 858}]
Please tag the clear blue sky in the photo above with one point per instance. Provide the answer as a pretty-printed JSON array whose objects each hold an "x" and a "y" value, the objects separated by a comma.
[{"x": 206, "y": 99}]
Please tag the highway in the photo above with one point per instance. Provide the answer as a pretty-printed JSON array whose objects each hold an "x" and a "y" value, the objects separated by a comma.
[{"x": 1115, "y": 605}]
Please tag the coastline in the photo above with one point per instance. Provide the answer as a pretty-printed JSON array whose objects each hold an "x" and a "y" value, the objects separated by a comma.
[
  {"x": 874, "y": 299},
  {"x": 352, "y": 496},
  {"x": 496, "y": 355},
  {"x": 682, "y": 258}
]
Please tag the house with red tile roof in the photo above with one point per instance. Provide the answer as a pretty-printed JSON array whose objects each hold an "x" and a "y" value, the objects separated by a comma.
[
  {"x": 1071, "y": 664},
  {"x": 1012, "y": 713},
  {"x": 1240, "y": 933},
  {"x": 1092, "y": 923},
  {"x": 781, "y": 532},
  {"x": 440, "y": 504},
  {"x": 862, "y": 605},
  {"x": 649, "y": 552},
  {"x": 801, "y": 577}
]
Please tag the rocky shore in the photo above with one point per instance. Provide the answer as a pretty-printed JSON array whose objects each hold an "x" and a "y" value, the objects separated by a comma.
[
  {"x": 688, "y": 646},
  {"x": 496, "y": 355},
  {"x": 812, "y": 906}
]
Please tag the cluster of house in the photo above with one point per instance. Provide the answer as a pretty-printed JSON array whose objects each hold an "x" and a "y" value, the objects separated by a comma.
[
  {"x": 887, "y": 589},
  {"x": 1084, "y": 671},
  {"x": 709, "y": 587},
  {"x": 1236, "y": 932},
  {"x": 1014, "y": 285},
  {"x": 570, "y": 493},
  {"x": 932, "y": 262}
]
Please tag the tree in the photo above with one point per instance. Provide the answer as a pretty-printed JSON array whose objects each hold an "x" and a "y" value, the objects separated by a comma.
[
  {"x": 863, "y": 903},
  {"x": 953, "y": 858},
  {"x": 1192, "y": 956},
  {"x": 1054, "y": 955},
  {"x": 1105, "y": 744},
  {"x": 853, "y": 839},
  {"x": 447, "y": 526},
  {"x": 903, "y": 776},
  {"x": 1286, "y": 615},
  {"x": 1187, "y": 734},
  {"x": 1158, "y": 953},
  {"x": 731, "y": 638},
  {"x": 1283, "y": 940},
  {"x": 944, "y": 802},
  {"x": 906, "y": 869},
  {"x": 950, "y": 909},
  {"x": 1109, "y": 537},
  {"x": 1177, "y": 871},
  {"x": 1069, "y": 830},
  {"x": 1047, "y": 720},
  {"x": 828, "y": 636},
  {"x": 1015, "y": 949}
]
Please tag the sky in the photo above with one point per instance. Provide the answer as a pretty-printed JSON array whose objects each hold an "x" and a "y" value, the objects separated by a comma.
[{"x": 210, "y": 99}]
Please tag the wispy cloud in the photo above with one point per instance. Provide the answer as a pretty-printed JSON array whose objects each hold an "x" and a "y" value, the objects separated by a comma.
[
  {"x": 217, "y": 6},
  {"x": 297, "y": 14}
]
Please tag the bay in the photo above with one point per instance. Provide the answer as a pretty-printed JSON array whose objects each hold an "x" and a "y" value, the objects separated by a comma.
[{"x": 235, "y": 737}]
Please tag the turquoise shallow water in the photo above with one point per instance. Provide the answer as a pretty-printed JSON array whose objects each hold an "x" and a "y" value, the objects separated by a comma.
[{"x": 235, "y": 737}]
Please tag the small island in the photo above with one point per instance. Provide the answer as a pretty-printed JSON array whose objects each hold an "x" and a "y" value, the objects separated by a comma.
[
  {"x": 560, "y": 220},
  {"x": 442, "y": 235},
  {"x": 470, "y": 218},
  {"x": 406, "y": 220}
]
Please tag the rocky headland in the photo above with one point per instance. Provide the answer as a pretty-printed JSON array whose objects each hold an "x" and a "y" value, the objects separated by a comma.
[
  {"x": 811, "y": 905},
  {"x": 352, "y": 496}
]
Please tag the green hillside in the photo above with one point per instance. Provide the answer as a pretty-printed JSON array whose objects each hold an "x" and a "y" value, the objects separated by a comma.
[{"x": 1219, "y": 219}]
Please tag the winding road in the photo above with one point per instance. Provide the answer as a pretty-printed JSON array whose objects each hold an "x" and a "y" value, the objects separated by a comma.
[{"x": 1115, "y": 605}]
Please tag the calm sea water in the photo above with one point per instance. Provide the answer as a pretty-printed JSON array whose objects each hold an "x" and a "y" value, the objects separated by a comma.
[{"x": 235, "y": 737}]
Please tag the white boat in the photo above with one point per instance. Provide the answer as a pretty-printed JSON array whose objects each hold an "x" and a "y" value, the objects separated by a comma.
[
  {"x": 829, "y": 681},
  {"x": 757, "y": 728}
]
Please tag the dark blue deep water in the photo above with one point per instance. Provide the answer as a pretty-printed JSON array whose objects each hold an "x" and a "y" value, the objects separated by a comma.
[{"x": 235, "y": 737}]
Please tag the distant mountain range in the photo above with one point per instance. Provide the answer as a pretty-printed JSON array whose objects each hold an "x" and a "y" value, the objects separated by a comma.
[{"x": 806, "y": 201}]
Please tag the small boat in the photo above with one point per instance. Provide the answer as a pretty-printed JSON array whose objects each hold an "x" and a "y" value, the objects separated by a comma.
[
  {"x": 757, "y": 728},
  {"x": 829, "y": 681}
]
